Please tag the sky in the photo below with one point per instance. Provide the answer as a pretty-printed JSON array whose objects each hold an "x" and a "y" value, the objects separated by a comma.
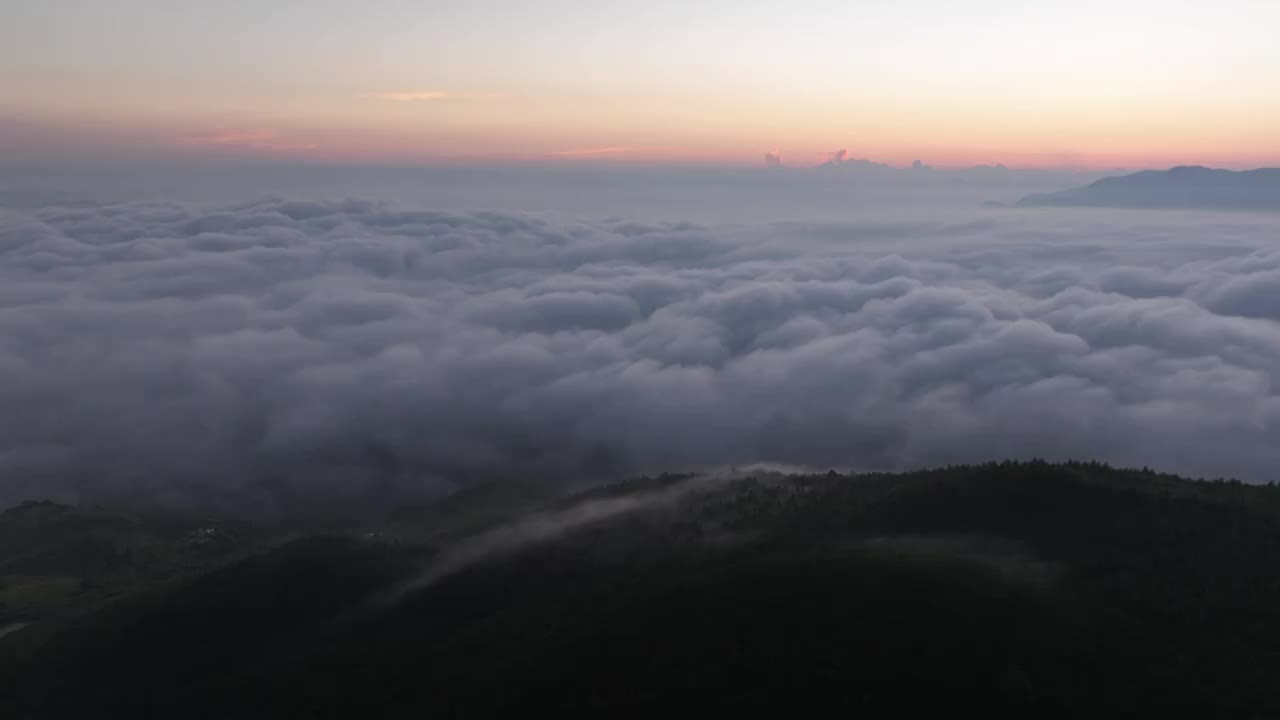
[{"x": 1029, "y": 83}]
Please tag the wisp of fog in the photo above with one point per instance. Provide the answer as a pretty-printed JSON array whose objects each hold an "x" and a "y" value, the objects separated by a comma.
[{"x": 548, "y": 525}]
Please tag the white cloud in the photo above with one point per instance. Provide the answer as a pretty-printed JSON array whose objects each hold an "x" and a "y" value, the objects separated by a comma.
[
  {"x": 243, "y": 353},
  {"x": 410, "y": 96}
]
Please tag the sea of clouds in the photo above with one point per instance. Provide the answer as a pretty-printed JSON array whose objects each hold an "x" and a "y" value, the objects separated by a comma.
[{"x": 245, "y": 353}]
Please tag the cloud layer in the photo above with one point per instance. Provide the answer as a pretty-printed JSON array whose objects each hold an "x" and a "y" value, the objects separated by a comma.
[{"x": 249, "y": 353}]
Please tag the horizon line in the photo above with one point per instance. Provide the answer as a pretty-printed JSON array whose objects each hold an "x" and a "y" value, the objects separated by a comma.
[{"x": 584, "y": 161}]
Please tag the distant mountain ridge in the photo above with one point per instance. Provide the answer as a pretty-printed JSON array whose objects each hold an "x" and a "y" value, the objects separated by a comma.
[
  {"x": 841, "y": 160},
  {"x": 1187, "y": 186}
]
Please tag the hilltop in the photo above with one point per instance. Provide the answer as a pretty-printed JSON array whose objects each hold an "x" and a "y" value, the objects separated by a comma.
[
  {"x": 1014, "y": 589},
  {"x": 1189, "y": 187}
]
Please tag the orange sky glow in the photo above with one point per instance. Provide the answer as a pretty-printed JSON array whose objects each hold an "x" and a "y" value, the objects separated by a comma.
[{"x": 1128, "y": 83}]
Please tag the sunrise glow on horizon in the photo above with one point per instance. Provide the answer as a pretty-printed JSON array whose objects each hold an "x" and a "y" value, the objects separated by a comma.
[{"x": 1028, "y": 84}]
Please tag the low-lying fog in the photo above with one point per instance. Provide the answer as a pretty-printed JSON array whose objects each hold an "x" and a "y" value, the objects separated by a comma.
[{"x": 186, "y": 338}]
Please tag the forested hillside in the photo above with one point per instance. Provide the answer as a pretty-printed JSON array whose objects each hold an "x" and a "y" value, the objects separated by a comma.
[{"x": 1014, "y": 589}]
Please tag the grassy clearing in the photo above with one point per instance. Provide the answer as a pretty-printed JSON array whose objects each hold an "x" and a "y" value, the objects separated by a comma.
[{"x": 26, "y": 596}]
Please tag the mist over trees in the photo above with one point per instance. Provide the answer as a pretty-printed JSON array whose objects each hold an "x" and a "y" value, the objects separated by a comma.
[{"x": 1010, "y": 589}]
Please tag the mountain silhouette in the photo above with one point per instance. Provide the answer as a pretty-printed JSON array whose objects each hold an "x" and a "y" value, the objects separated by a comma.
[{"x": 1190, "y": 187}]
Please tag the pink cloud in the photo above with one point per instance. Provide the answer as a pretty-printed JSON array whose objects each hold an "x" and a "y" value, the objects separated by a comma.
[
  {"x": 228, "y": 136},
  {"x": 593, "y": 152},
  {"x": 244, "y": 138},
  {"x": 409, "y": 96}
]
